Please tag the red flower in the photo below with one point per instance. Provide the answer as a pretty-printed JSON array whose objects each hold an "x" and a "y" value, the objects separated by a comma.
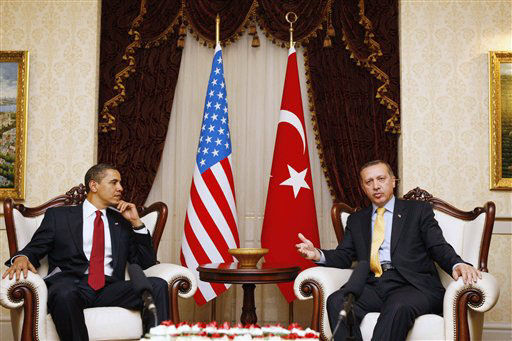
[{"x": 294, "y": 325}]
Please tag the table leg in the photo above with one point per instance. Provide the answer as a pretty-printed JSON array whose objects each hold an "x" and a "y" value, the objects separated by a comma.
[{"x": 248, "y": 308}]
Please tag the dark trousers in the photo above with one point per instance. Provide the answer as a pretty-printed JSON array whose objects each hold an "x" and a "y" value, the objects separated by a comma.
[
  {"x": 67, "y": 298},
  {"x": 398, "y": 302}
]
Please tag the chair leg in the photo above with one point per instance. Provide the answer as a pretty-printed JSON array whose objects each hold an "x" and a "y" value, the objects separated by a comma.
[{"x": 213, "y": 310}]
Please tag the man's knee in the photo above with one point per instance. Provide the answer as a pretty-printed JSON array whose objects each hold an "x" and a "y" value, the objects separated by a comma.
[
  {"x": 401, "y": 308},
  {"x": 335, "y": 300},
  {"x": 158, "y": 284},
  {"x": 63, "y": 294}
]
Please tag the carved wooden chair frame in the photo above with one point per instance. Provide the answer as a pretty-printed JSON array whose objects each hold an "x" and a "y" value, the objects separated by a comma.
[
  {"x": 467, "y": 298},
  {"x": 76, "y": 196}
]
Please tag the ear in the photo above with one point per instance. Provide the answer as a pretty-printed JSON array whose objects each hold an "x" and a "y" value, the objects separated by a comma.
[
  {"x": 394, "y": 182},
  {"x": 93, "y": 185}
]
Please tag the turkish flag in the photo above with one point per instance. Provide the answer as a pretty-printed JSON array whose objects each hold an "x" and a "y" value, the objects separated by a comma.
[{"x": 290, "y": 207}]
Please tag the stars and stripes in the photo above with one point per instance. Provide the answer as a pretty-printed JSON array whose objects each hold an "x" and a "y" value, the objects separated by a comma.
[{"x": 211, "y": 219}]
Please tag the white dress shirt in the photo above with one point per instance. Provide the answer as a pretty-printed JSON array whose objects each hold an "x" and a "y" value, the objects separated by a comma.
[
  {"x": 385, "y": 248},
  {"x": 89, "y": 215}
]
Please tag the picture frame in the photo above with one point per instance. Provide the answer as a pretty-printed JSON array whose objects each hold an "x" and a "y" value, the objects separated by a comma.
[
  {"x": 14, "y": 72},
  {"x": 500, "y": 119}
]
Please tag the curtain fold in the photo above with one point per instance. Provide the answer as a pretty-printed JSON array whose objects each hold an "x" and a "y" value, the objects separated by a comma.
[
  {"x": 135, "y": 139},
  {"x": 350, "y": 118},
  {"x": 234, "y": 14},
  {"x": 310, "y": 15},
  {"x": 353, "y": 85}
]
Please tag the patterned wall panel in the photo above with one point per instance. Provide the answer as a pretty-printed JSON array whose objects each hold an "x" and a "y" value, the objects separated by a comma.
[
  {"x": 445, "y": 111},
  {"x": 62, "y": 38}
]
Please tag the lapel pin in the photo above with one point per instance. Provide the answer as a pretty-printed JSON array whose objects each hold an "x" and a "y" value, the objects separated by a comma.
[
  {"x": 116, "y": 223},
  {"x": 399, "y": 216}
]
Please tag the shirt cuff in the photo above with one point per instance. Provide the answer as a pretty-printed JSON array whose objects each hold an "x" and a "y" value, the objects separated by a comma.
[
  {"x": 453, "y": 267},
  {"x": 13, "y": 258},
  {"x": 322, "y": 257},
  {"x": 142, "y": 231}
]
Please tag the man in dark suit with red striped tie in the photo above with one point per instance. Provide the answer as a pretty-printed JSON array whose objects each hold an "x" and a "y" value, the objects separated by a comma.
[{"x": 88, "y": 248}]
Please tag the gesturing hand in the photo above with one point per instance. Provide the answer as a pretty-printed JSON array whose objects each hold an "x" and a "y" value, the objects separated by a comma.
[
  {"x": 129, "y": 212},
  {"x": 20, "y": 264},
  {"x": 468, "y": 273},
  {"x": 307, "y": 250}
]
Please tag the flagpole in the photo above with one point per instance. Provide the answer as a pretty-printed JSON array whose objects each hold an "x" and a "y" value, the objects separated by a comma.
[
  {"x": 217, "y": 30},
  {"x": 295, "y": 17}
]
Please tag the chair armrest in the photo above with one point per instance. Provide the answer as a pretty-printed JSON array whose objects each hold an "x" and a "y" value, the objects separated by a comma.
[
  {"x": 479, "y": 297},
  {"x": 175, "y": 275},
  {"x": 182, "y": 283},
  {"x": 328, "y": 280},
  {"x": 13, "y": 293},
  {"x": 318, "y": 283},
  {"x": 30, "y": 293}
]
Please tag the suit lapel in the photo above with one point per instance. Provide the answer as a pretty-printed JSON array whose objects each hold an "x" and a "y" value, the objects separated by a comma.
[
  {"x": 399, "y": 215},
  {"x": 115, "y": 230},
  {"x": 76, "y": 226},
  {"x": 367, "y": 228}
]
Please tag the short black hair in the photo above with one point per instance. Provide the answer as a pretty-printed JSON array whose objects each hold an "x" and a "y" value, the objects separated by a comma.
[
  {"x": 96, "y": 173},
  {"x": 376, "y": 162}
]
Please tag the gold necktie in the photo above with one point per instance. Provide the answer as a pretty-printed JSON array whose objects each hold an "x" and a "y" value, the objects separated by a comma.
[{"x": 377, "y": 239}]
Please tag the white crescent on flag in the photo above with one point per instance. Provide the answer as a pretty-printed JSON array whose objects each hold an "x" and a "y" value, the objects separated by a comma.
[{"x": 286, "y": 116}]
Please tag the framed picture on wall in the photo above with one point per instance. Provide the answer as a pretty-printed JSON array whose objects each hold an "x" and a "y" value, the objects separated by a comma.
[{"x": 13, "y": 123}]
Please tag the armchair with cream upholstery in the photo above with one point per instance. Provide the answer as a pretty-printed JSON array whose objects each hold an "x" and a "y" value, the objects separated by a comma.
[
  {"x": 27, "y": 298},
  {"x": 464, "y": 305}
]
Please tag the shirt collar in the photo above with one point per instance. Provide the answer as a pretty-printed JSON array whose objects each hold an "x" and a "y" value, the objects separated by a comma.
[
  {"x": 390, "y": 206},
  {"x": 89, "y": 209}
]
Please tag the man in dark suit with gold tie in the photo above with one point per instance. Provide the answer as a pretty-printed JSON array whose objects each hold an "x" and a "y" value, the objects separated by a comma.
[
  {"x": 88, "y": 248},
  {"x": 401, "y": 240}
]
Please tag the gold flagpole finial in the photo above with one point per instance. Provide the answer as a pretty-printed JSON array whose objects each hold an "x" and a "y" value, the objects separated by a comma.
[
  {"x": 291, "y": 17},
  {"x": 217, "y": 29}
]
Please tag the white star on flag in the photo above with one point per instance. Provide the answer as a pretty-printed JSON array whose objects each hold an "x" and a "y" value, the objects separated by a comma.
[{"x": 296, "y": 180}]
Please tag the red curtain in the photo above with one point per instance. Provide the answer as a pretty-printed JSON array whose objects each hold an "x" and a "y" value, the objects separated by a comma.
[{"x": 353, "y": 84}]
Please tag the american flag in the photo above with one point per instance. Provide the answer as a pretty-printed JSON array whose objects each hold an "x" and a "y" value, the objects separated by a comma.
[{"x": 211, "y": 220}]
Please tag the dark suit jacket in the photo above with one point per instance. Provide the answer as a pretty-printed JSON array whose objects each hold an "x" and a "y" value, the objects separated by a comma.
[
  {"x": 60, "y": 236},
  {"x": 416, "y": 242}
]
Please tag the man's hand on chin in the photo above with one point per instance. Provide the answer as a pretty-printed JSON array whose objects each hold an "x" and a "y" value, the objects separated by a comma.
[
  {"x": 129, "y": 212},
  {"x": 468, "y": 273}
]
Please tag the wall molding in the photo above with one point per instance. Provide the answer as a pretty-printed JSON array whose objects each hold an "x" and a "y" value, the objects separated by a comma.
[
  {"x": 502, "y": 225},
  {"x": 6, "y": 331},
  {"x": 497, "y": 331}
]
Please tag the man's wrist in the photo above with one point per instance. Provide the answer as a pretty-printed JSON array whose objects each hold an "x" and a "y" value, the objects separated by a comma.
[
  {"x": 140, "y": 227},
  {"x": 17, "y": 256}
]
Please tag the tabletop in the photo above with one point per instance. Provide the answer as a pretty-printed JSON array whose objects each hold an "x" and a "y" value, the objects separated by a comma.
[{"x": 232, "y": 273}]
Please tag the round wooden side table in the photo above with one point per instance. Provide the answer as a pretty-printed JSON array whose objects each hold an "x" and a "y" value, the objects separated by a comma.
[{"x": 231, "y": 273}]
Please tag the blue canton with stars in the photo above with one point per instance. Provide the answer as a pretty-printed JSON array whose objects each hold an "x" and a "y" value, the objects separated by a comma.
[{"x": 214, "y": 142}]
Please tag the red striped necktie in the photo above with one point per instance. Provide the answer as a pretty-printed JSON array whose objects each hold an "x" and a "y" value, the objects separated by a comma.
[{"x": 97, "y": 261}]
